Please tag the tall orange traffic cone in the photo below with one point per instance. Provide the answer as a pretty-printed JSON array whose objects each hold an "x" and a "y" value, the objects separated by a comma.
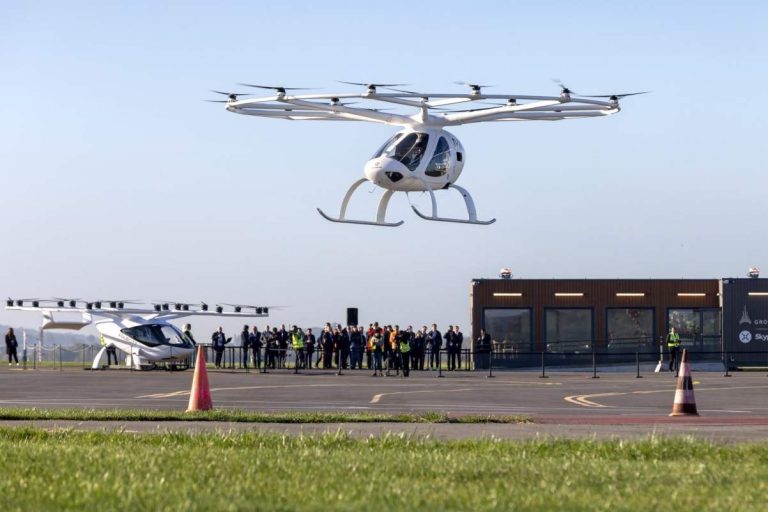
[
  {"x": 685, "y": 402},
  {"x": 200, "y": 396}
]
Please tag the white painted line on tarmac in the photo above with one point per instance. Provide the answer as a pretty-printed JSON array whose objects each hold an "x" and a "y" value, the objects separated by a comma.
[{"x": 377, "y": 398}]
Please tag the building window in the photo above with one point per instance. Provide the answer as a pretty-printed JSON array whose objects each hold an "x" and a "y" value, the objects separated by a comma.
[
  {"x": 568, "y": 329},
  {"x": 699, "y": 328},
  {"x": 510, "y": 328},
  {"x": 629, "y": 329}
]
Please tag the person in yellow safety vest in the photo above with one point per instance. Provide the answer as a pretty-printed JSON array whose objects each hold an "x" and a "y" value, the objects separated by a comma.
[
  {"x": 297, "y": 341},
  {"x": 404, "y": 346},
  {"x": 673, "y": 344}
]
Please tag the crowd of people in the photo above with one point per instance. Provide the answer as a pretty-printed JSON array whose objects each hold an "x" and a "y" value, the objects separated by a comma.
[{"x": 382, "y": 348}]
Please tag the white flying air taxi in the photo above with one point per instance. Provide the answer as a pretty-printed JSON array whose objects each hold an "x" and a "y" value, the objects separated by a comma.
[
  {"x": 144, "y": 334},
  {"x": 423, "y": 156}
]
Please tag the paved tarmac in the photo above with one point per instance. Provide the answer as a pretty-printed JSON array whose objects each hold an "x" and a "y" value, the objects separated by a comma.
[{"x": 562, "y": 405}]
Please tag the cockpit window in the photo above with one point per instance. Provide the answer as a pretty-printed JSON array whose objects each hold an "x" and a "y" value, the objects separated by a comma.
[
  {"x": 409, "y": 150},
  {"x": 438, "y": 166},
  {"x": 388, "y": 145},
  {"x": 154, "y": 335}
]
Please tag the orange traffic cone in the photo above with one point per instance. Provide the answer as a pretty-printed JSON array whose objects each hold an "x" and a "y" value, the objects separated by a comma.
[
  {"x": 685, "y": 402},
  {"x": 200, "y": 396}
]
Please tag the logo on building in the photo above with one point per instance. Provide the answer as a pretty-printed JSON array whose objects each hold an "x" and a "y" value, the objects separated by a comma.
[
  {"x": 745, "y": 337},
  {"x": 745, "y": 317}
]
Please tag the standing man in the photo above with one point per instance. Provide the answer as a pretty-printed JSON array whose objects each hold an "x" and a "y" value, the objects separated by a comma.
[
  {"x": 356, "y": 347},
  {"x": 187, "y": 333},
  {"x": 482, "y": 350},
  {"x": 344, "y": 344},
  {"x": 377, "y": 349},
  {"x": 282, "y": 346},
  {"x": 418, "y": 342},
  {"x": 309, "y": 348},
  {"x": 245, "y": 345},
  {"x": 326, "y": 340},
  {"x": 219, "y": 340},
  {"x": 673, "y": 344},
  {"x": 435, "y": 340},
  {"x": 450, "y": 348},
  {"x": 458, "y": 340},
  {"x": 404, "y": 347},
  {"x": 255, "y": 341},
  {"x": 11, "y": 344},
  {"x": 297, "y": 343}
]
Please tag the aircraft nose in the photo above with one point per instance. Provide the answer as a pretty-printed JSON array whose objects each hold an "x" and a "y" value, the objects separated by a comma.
[{"x": 384, "y": 171}]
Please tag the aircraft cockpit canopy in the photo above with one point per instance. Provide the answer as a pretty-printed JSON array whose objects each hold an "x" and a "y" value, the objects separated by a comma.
[
  {"x": 155, "y": 335},
  {"x": 407, "y": 149}
]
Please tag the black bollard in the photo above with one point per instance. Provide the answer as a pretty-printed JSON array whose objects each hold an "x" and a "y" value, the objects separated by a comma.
[
  {"x": 594, "y": 365},
  {"x": 490, "y": 364},
  {"x": 543, "y": 373},
  {"x": 439, "y": 365},
  {"x": 637, "y": 360},
  {"x": 725, "y": 360}
]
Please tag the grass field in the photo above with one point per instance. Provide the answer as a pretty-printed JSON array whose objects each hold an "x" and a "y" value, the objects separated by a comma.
[
  {"x": 110, "y": 471},
  {"x": 11, "y": 413}
]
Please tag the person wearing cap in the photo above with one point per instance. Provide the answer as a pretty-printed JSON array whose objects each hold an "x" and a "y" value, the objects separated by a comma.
[{"x": 245, "y": 345}]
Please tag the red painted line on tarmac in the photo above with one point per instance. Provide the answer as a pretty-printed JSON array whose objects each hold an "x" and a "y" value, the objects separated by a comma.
[{"x": 647, "y": 420}]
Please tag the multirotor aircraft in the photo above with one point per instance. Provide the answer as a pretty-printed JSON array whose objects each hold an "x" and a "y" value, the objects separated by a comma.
[
  {"x": 144, "y": 334},
  {"x": 423, "y": 156}
]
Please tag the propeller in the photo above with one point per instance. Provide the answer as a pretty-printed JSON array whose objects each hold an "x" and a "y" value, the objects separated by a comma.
[
  {"x": 475, "y": 87},
  {"x": 563, "y": 87},
  {"x": 335, "y": 102},
  {"x": 372, "y": 87},
  {"x": 232, "y": 96},
  {"x": 279, "y": 89},
  {"x": 616, "y": 97}
]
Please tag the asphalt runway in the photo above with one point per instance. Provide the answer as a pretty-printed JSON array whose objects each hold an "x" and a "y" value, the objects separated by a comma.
[{"x": 563, "y": 404}]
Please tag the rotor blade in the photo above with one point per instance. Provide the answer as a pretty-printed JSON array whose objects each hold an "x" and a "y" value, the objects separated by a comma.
[
  {"x": 217, "y": 101},
  {"x": 622, "y": 95},
  {"x": 472, "y": 85},
  {"x": 371, "y": 85},
  {"x": 231, "y": 93},
  {"x": 278, "y": 88}
]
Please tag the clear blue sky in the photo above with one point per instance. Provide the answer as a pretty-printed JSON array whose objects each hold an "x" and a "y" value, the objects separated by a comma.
[{"x": 117, "y": 180}]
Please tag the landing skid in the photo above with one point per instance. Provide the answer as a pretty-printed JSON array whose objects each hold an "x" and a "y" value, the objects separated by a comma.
[
  {"x": 471, "y": 212},
  {"x": 380, "y": 214}
]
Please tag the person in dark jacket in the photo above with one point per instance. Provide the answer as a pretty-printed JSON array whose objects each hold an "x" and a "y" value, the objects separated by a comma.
[
  {"x": 435, "y": 342},
  {"x": 418, "y": 342},
  {"x": 458, "y": 341},
  {"x": 219, "y": 340},
  {"x": 272, "y": 344},
  {"x": 254, "y": 339},
  {"x": 482, "y": 350},
  {"x": 309, "y": 347},
  {"x": 245, "y": 346},
  {"x": 356, "y": 343},
  {"x": 282, "y": 345},
  {"x": 11, "y": 344},
  {"x": 344, "y": 347},
  {"x": 450, "y": 348}
]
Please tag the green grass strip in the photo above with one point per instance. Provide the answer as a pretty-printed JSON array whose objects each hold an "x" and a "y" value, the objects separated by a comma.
[
  {"x": 67, "y": 470},
  {"x": 240, "y": 416}
]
